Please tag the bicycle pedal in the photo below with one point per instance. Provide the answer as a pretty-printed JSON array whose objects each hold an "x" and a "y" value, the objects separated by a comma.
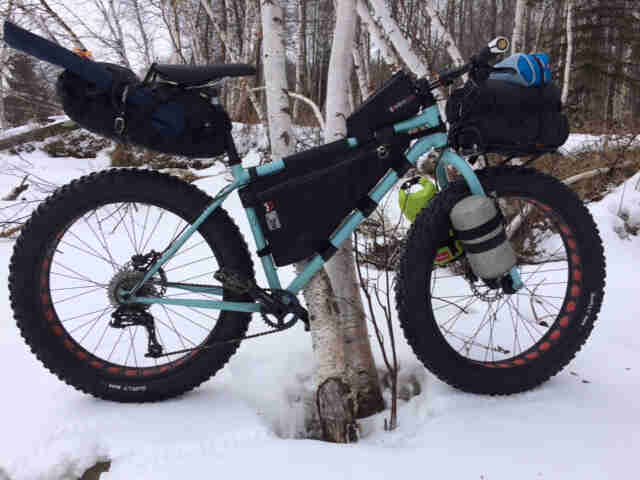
[{"x": 234, "y": 281}]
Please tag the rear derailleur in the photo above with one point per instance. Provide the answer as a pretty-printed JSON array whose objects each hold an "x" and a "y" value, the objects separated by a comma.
[{"x": 130, "y": 316}]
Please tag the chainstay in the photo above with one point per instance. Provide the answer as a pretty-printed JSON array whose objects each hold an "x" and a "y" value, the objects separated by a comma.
[{"x": 226, "y": 342}]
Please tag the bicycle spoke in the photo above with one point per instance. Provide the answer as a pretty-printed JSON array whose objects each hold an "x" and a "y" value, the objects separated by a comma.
[
  {"x": 100, "y": 245},
  {"x": 79, "y": 295},
  {"x": 179, "y": 267},
  {"x": 94, "y": 324},
  {"x": 155, "y": 227},
  {"x": 489, "y": 325},
  {"x": 80, "y": 316}
]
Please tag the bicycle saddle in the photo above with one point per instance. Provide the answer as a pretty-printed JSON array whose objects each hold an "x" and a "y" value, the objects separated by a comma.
[{"x": 200, "y": 74}]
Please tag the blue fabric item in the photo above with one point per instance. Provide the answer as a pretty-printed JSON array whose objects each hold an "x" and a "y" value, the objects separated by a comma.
[{"x": 525, "y": 69}]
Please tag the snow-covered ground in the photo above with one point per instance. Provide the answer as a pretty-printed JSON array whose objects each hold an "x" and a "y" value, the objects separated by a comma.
[{"x": 582, "y": 424}]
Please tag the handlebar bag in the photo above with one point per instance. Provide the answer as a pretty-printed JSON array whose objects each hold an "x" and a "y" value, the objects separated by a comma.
[
  {"x": 528, "y": 70},
  {"x": 506, "y": 118},
  {"x": 160, "y": 116},
  {"x": 299, "y": 207}
]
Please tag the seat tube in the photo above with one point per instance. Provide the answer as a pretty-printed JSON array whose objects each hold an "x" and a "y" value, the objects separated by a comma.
[{"x": 234, "y": 158}]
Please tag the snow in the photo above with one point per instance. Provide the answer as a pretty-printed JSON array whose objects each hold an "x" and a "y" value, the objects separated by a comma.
[
  {"x": 579, "y": 142},
  {"x": 243, "y": 422}
]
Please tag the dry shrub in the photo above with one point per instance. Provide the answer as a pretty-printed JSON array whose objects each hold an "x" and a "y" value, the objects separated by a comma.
[{"x": 622, "y": 162}]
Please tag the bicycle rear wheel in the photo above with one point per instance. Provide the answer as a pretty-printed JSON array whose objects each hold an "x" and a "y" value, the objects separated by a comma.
[
  {"x": 481, "y": 339},
  {"x": 95, "y": 236}
]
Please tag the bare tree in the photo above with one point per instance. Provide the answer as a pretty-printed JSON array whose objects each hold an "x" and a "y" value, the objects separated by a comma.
[
  {"x": 301, "y": 52},
  {"x": 567, "y": 63},
  {"x": 517, "y": 37},
  {"x": 361, "y": 372},
  {"x": 4, "y": 56}
]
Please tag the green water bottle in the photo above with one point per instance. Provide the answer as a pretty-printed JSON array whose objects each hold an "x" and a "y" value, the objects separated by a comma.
[{"x": 412, "y": 203}]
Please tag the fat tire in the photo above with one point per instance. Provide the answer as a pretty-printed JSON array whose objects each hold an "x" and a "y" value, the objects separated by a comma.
[
  {"x": 413, "y": 295},
  {"x": 49, "y": 220}
]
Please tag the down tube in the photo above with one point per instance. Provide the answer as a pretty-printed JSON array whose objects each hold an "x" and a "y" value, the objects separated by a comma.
[{"x": 356, "y": 218}]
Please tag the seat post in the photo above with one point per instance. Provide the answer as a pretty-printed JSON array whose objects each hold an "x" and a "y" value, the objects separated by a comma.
[{"x": 234, "y": 158}]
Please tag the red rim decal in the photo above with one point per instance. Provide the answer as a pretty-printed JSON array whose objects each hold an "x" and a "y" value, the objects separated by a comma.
[
  {"x": 564, "y": 315},
  {"x": 77, "y": 350}
]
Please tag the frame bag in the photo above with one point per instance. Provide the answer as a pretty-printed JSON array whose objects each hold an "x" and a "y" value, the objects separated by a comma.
[
  {"x": 299, "y": 207},
  {"x": 160, "y": 116},
  {"x": 506, "y": 118}
]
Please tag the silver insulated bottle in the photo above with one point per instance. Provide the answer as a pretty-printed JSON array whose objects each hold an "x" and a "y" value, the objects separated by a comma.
[{"x": 478, "y": 225}]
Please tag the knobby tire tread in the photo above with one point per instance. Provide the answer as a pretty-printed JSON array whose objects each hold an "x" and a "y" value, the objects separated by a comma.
[
  {"x": 424, "y": 237},
  {"x": 24, "y": 266}
]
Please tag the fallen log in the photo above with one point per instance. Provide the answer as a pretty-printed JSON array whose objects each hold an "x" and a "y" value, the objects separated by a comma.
[{"x": 38, "y": 135}]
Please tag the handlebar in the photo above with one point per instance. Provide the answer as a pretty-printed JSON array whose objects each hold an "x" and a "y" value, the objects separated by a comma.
[{"x": 478, "y": 67}]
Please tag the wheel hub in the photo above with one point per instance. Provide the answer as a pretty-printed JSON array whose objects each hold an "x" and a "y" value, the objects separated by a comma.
[{"x": 128, "y": 277}]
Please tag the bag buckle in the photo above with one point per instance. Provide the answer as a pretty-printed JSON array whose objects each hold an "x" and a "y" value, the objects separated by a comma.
[
  {"x": 119, "y": 125},
  {"x": 383, "y": 152}
]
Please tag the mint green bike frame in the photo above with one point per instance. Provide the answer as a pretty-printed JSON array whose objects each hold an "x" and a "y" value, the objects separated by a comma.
[{"x": 429, "y": 118}]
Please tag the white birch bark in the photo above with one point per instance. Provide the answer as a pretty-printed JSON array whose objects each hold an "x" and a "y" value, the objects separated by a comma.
[
  {"x": 361, "y": 372},
  {"x": 361, "y": 72},
  {"x": 335, "y": 412},
  {"x": 567, "y": 64},
  {"x": 450, "y": 44},
  {"x": 516, "y": 38},
  {"x": 326, "y": 331},
  {"x": 314, "y": 106},
  {"x": 273, "y": 57},
  {"x": 301, "y": 54},
  {"x": 403, "y": 46},
  {"x": 400, "y": 43},
  {"x": 383, "y": 46}
]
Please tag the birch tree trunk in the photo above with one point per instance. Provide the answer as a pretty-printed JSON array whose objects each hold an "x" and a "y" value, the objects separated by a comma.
[
  {"x": 404, "y": 48},
  {"x": 361, "y": 372},
  {"x": 516, "y": 38},
  {"x": 334, "y": 399},
  {"x": 386, "y": 50},
  {"x": 361, "y": 72},
  {"x": 567, "y": 64},
  {"x": 335, "y": 408},
  {"x": 450, "y": 44},
  {"x": 273, "y": 57},
  {"x": 301, "y": 57},
  {"x": 399, "y": 41}
]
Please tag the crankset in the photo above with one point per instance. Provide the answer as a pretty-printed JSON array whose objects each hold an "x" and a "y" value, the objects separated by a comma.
[{"x": 281, "y": 304}]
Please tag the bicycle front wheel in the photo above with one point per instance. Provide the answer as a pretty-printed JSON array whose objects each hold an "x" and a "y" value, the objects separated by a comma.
[
  {"x": 481, "y": 339},
  {"x": 96, "y": 236}
]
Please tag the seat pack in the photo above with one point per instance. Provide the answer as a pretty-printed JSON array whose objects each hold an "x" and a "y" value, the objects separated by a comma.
[{"x": 161, "y": 116}]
